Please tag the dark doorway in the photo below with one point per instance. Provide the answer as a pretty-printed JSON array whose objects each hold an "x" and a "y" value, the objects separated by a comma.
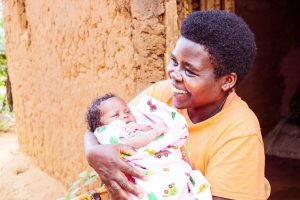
[{"x": 274, "y": 80}]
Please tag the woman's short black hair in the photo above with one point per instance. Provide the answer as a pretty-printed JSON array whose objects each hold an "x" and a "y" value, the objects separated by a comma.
[
  {"x": 226, "y": 36},
  {"x": 93, "y": 114}
]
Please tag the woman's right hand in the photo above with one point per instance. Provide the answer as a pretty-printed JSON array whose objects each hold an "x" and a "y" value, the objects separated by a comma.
[{"x": 106, "y": 161}]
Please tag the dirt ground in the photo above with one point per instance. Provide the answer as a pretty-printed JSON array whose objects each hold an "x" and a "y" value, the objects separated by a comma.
[{"x": 20, "y": 178}]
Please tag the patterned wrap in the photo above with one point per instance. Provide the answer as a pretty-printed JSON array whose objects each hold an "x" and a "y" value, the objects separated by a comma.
[{"x": 169, "y": 176}]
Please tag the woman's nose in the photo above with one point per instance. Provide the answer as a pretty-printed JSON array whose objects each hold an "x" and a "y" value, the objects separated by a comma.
[{"x": 175, "y": 75}]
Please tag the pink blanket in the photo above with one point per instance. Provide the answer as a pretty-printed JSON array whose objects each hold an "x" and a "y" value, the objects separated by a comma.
[{"x": 169, "y": 176}]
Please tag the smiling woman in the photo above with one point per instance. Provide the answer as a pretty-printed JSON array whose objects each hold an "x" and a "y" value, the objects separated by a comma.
[
  {"x": 194, "y": 83},
  {"x": 214, "y": 53}
]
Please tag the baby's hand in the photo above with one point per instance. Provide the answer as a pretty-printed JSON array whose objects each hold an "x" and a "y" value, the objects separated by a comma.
[{"x": 131, "y": 127}]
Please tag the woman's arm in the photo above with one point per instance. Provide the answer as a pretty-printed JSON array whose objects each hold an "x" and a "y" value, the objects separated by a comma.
[{"x": 106, "y": 161}]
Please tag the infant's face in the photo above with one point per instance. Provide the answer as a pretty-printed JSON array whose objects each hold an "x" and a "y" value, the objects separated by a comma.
[{"x": 115, "y": 109}]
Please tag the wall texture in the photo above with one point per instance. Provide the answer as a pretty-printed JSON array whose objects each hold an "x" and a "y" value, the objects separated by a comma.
[{"x": 62, "y": 54}]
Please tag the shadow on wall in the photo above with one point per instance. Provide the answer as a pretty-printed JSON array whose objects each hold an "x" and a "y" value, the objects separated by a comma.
[
  {"x": 273, "y": 79},
  {"x": 271, "y": 86},
  {"x": 284, "y": 139},
  {"x": 284, "y": 176}
]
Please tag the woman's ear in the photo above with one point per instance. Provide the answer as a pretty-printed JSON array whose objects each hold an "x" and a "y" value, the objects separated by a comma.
[{"x": 229, "y": 81}]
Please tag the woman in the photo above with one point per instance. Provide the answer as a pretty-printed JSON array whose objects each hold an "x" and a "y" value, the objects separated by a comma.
[{"x": 213, "y": 54}]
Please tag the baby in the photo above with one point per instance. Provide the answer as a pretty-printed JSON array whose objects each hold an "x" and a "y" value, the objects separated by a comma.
[
  {"x": 158, "y": 137},
  {"x": 110, "y": 109}
]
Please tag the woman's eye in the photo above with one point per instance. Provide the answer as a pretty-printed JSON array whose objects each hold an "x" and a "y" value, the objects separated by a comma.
[
  {"x": 189, "y": 73},
  {"x": 173, "y": 62}
]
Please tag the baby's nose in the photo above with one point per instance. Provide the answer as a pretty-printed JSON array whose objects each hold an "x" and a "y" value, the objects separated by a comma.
[{"x": 124, "y": 115}]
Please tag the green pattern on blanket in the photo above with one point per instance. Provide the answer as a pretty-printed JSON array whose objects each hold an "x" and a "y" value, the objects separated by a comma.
[
  {"x": 101, "y": 129},
  {"x": 113, "y": 140}
]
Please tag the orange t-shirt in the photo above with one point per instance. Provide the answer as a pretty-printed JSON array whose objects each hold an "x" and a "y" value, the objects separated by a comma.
[{"x": 227, "y": 148}]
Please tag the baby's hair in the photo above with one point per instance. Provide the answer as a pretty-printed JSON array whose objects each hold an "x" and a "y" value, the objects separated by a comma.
[{"x": 93, "y": 114}]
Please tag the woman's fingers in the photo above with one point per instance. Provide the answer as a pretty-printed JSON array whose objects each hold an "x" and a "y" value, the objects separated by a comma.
[
  {"x": 129, "y": 186},
  {"x": 116, "y": 191},
  {"x": 130, "y": 170},
  {"x": 113, "y": 185},
  {"x": 120, "y": 187},
  {"x": 125, "y": 149},
  {"x": 105, "y": 159}
]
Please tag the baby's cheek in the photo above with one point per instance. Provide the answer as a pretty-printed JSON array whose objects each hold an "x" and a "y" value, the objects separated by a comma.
[{"x": 132, "y": 118}]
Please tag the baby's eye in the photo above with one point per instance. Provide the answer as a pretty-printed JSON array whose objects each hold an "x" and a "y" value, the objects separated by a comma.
[{"x": 115, "y": 115}]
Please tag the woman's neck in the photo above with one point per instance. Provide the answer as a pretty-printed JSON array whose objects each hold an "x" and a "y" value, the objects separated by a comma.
[{"x": 197, "y": 115}]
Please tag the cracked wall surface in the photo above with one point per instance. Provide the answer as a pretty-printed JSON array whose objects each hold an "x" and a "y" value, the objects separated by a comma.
[{"x": 62, "y": 54}]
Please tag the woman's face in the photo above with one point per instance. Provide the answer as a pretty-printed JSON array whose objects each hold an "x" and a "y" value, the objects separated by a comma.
[{"x": 193, "y": 78}]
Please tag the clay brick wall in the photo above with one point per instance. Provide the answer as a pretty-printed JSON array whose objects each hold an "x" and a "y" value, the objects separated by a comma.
[{"x": 62, "y": 54}]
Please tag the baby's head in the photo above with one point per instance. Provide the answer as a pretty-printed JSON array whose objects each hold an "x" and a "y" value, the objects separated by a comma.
[{"x": 106, "y": 109}]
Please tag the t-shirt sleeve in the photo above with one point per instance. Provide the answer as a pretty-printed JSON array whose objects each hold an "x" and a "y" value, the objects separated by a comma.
[
  {"x": 236, "y": 170},
  {"x": 148, "y": 91},
  {"x": 160, "y": 90}
]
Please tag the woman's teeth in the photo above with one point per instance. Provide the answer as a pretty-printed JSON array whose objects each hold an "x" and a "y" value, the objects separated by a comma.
[{"x": 175, "y": 90}]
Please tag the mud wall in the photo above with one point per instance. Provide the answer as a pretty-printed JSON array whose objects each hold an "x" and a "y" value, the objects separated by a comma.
[{"x": 62, "y": 54}]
